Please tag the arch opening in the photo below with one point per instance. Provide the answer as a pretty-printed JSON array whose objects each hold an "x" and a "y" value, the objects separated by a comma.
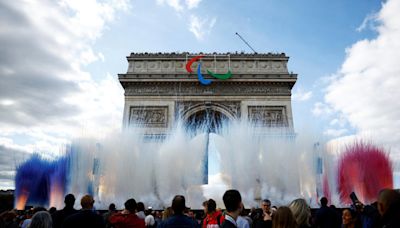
[{"x": 207, "y": 120}]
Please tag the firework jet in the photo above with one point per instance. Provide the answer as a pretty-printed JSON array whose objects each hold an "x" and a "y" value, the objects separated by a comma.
[
  {"x": 364, "y": 169},
  {"x": 40, "y": 182}
]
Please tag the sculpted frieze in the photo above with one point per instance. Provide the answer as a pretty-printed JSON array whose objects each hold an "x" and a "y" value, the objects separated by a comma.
[
  {"x": 268, "y": 116},
  {"x": 148, "y": 116},
  {"x": 232, "y": 89}
]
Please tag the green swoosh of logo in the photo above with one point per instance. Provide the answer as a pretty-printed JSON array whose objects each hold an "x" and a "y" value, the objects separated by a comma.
[{"x": 221, "y": 76}]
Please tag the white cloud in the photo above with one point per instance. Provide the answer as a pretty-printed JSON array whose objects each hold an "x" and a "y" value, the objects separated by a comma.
[
  {"x": 301, "y": 95},
  {"x": 335, "y": 132},
  {"x": 321, "y": 109},
  {"x": 339, "y": 121},
  {"x": 191, "y": 4},
  {"x": 176, "y": 4},
  {"x": 46, "y": 97},
  {"x": 366, "y": 89},
  {"x": 368, "y": 22},
  {"x": 201, "y": 27}
]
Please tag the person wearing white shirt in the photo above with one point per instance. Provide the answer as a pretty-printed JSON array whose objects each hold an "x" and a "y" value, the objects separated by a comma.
[{"x": 149, "y": 220}]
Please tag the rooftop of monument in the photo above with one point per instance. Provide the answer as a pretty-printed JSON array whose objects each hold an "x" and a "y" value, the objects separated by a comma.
[{"x": 185, "y": 54}]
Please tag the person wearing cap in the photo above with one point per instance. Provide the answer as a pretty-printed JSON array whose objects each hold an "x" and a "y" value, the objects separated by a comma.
[
  {"x": 178, "y": 219},
  {"x": 59, "y": 216},
  {"x": 85, "y": 217}
]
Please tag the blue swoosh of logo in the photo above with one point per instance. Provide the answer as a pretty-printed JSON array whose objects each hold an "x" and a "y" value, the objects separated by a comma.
[{"x": 201, "y": 78}]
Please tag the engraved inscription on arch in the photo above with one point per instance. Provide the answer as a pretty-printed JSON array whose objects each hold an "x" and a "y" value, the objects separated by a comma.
[
  {"x": 149, "y": 116},
  {"x": 268, "y": 116}
]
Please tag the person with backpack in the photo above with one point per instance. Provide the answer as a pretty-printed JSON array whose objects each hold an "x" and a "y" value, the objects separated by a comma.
[{"x": 213, "y": 218}]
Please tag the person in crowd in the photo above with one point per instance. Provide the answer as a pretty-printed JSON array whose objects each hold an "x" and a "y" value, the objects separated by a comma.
[
  {"x": 350, "y": 219},
  {"x": 191, "y": 214},
  {"x": 204, "y": 215},
  {"x": 140, "y": 210},
  {"x": 86, "y": 217},
  {"x": 158, "y": 217},
  {"x": 283, "y": 218},
  {"x": 338, "y": 215},
  {"x": 233, "y": 204},
  {"x": 205, "y": 207},
  {"x": 28, "y": 219},
  {"x": 243, "y": 221},
  {"x": 167, "y": 213},
  {"x": 367, "y": 215},
  {"x": 41, "y": 219},
  {"x": 325, "y": 217},
  {"x": 389, "y": 208},
  {"x": 52, "y": 210},
  {"x": 127, "y": 218},
  {"x": 213, "y": 218},
  {"x": 301, "y": 212},
  {"x": 178, "y": 219},
  {"x": 262, "y": 217},
  {"x": 149, "y": 220},
  {"x": 59, "y": 216},
  {"x": 9, "y": 219},
  {"x": 111, "y": 210},
  {"x": 266, "y": 207},
  {"x": 26, "y": 223}
]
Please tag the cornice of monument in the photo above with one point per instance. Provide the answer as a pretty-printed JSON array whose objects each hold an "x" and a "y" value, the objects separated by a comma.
[
  {"x": 166, "y": 65},
  {"x": 183, "y": 55}
]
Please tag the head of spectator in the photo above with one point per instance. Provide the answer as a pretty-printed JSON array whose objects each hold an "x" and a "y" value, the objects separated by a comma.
[
  {"x": 324, "y": 202},
  {"x": 349, "y": 217},
  {"x": 211, "y": 206},
  {"x": 69, "y": 201},
  {"x": 301, "y": 211},
  {"x": 87, "y": 202},
  {"x": 41, "y": 219},
  {"x": 130, "y": 205},
  {"x": 388, "y": 202},
  {"x": 111, "y": 207},
  {"x": 149, "y": 211},
  {"x": 205, "y": 207},
  {"x": 140, "y": 206},
  {"x": 233, "y": 203},
  {"x": 266, "y": 206},
  {"x": 8, "y": 216},
  {"x": 283, "y": 218},
  {"x": 191, "y": 215},
  {"x": 243, "y": 212},
  {"x": 167, "y": 213},
  {"x": 178, "y": 205},
  {"x": 52, "y": 210}
]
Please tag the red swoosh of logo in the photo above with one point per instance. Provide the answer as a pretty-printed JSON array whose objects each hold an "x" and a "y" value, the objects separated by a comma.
[{"x": 191, "y": 61}]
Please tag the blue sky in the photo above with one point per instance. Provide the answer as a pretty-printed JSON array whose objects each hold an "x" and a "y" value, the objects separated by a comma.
[
  {"x": 314, "y": 35},
  {"x": 60, "y": 60}
]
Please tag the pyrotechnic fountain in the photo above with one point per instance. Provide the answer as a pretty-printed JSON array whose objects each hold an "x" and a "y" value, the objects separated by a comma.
[{"x": 153, "y": 171}]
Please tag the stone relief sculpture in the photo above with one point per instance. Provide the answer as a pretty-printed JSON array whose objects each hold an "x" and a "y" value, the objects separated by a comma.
[
  {"x": 149, "y": 116},
  {"x": 268, "y": 116}
]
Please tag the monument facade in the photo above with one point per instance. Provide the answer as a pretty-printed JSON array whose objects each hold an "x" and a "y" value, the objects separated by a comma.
[{"x": 159, "y": 90}]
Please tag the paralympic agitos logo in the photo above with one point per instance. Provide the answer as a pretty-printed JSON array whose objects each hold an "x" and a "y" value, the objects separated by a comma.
[{"x": 200, "y": 76}]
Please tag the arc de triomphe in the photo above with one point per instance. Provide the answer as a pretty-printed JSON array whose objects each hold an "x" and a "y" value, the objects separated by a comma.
[{"x": 159, "y": 89}]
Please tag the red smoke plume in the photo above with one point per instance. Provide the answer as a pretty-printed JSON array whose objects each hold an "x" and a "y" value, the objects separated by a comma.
[{"x": 364, "y": 169}]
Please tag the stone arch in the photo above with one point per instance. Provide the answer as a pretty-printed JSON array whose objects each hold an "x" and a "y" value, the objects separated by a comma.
[{"x": 208, "y": 106}]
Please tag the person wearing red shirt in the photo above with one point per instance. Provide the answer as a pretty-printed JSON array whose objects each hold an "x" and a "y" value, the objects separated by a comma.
[
  {"x": 214, "y": 218},
  {"x": 127, "y": 218}
]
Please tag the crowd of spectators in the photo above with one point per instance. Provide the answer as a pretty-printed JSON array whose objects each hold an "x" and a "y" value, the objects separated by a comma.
[{"x": 384, "y": 213}]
